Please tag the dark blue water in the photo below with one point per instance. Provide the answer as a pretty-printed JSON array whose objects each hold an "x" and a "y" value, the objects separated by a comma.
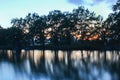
[{"x": 59, "y": 65}]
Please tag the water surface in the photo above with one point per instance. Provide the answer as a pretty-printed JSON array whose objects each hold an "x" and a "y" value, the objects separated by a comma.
[{"x": 59, "y": 65}]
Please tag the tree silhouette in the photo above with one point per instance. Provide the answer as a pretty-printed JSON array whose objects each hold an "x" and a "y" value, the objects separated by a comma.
[
  {"x": 14, "y": 36},
  {"x": 113, "y": 22},
  {"x": 3, "y": 36},
  {"x": 63, "y": 28},
  {"x": 38, "y": 28},
  {"x": 55, "y": 17}
]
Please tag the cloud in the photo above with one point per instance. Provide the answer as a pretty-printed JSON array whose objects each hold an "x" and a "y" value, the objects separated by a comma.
[
  {"x": 100, "y": 7},
  {"x": 76, "y": 2},
  {"x": 91, "y": 2}
]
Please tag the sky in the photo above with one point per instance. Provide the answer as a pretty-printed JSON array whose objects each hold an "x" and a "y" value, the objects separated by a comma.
[{"x": 10, "y": 9}]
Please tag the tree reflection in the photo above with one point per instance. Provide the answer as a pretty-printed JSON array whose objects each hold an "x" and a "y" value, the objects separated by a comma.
[{"x": 79, "y": 65}]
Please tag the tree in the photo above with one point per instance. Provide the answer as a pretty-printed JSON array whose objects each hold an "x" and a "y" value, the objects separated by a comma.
[
  {"x": 87, "y": 23},
  {"x": 54, "y": 18},
  {"x": 116, "y": 7},
  {"x": 14, "y": 37},
  {"x": 38, "y": 28},
  {"x": 3, "y": 37},
  {"x": 66, "y": 27},
  {"x": 113, "y": 22}
]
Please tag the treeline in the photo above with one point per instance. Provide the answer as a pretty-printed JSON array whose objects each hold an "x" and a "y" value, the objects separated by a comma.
[{"x": 80, "y": 27}]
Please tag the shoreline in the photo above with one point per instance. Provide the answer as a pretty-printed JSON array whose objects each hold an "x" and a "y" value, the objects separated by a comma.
[{"x": 64, "y": 47}]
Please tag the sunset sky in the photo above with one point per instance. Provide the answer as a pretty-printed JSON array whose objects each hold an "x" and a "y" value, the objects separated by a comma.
[{"x": 20, "y": 8}]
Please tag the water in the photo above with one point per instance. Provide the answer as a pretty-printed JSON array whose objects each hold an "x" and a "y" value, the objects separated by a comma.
[{"x": 59, "y": 65}]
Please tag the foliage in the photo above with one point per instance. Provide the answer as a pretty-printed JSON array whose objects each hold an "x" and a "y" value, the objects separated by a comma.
[
  {"x": 112, "y": 23},
  {"x": 62, "y": 28}
]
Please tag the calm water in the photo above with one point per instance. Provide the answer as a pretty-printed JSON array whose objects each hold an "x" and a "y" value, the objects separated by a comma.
[{"x": 59, "y": 65}]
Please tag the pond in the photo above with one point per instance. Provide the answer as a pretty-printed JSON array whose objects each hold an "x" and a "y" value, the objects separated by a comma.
[{"x": 59, "y": 65}]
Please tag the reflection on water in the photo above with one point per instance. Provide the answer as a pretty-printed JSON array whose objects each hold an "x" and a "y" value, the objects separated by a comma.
[{"x": 59, "y": 65}]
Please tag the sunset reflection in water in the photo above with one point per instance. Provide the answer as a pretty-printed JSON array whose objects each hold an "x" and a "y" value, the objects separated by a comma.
[{"x": 55, "y": 65}]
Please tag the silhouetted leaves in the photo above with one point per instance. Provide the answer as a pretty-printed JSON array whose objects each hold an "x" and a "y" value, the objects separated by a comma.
[{"x": 60, "y": 28}]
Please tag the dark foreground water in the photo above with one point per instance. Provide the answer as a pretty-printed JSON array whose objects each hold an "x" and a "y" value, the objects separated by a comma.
[{"x": 59, "y": 65}]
